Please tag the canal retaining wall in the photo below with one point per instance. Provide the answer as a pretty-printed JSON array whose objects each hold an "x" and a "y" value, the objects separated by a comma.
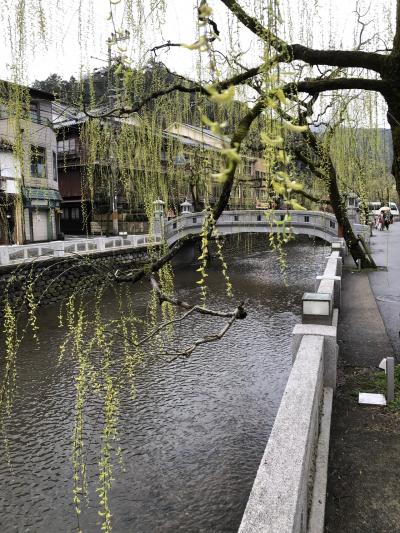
[
  {"x": 289, "y": 492},
  {"x": 55, "y": 278}
]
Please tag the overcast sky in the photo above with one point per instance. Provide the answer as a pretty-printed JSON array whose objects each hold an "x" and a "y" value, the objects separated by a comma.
[
  {"x": 75, "y": 37},
  {"x": 76, "y": 32}
]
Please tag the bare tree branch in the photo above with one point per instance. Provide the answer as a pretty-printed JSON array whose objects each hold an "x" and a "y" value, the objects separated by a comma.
[
  {"x": 209, "y": 338},
  {"x": 337, "y": 58},
  {"x": 238, "y": 313}
]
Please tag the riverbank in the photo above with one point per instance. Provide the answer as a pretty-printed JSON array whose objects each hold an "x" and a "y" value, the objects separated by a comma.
[{"x": 364, "y": 461}]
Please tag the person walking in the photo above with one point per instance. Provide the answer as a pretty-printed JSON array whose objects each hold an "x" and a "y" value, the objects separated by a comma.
[
  {"x": 380, "y": 222},
  {"x": 385, "y": 212}
]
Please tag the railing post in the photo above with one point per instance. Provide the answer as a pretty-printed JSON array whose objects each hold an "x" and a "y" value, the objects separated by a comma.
[
  {"x": 100, "y": 243},
  {"x": 4, "y": 256},
  {"x": 389, "y": 379}
]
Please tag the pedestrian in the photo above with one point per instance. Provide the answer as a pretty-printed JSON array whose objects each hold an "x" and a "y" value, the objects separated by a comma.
[
  {"x": 380, "y": 222},
  {"x": 386, "y": 219}
]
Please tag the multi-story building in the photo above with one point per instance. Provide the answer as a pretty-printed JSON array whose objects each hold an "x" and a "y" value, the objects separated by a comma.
[
  {"x": 29, "y": 195},
  {"x": 75, "y": 209},
  {"x": 201, "y": 153},
  {"x": 192, "y": 152}
]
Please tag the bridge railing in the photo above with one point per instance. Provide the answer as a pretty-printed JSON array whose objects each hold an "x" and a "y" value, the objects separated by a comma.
[
  {"x": 319, "y": 223},
  {"x": 315, "y": 223}
]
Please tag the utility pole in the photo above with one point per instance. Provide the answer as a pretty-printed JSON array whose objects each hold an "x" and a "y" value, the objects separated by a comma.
[{"x": 114, "y": 39}]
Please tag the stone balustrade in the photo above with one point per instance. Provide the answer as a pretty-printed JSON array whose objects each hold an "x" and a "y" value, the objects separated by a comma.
[
  {"x": 15, "y": 254},
  {"x": 288, "y": 494}
]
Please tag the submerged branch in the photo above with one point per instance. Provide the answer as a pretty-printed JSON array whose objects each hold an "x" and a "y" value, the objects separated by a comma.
[{"x": 238, "y": 313}]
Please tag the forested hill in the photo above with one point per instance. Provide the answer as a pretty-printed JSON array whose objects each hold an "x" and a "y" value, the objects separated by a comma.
[{"x": 101, "y": 84}]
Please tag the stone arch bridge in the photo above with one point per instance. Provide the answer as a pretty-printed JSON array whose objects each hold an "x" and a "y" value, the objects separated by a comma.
[{"x": 312, "y": 223}]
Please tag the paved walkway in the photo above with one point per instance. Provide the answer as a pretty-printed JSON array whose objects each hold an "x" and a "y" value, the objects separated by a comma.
[
  {"x": 364, "y": 463},
  {"x": 385, "y": 246}
]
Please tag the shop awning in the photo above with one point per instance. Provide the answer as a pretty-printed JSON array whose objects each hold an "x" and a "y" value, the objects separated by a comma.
[{"x": 41, "y": 196}]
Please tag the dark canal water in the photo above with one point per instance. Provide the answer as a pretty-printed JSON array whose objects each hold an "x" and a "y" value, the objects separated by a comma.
[{"x": 192, "y": 440}]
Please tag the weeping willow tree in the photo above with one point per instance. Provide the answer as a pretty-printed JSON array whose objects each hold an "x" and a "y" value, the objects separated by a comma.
[{"x": 264, "y": 105}]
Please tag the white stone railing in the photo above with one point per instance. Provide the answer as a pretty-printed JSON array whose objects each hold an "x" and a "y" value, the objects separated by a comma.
[
  {"x": 14, "y": 254},
  {"x": 289, "y": 492},
  {"x": 316, "y": 223}
]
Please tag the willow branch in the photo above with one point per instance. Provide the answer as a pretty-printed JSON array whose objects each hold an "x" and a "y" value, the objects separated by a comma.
[
  {"x": 154, "y": 266},
  {"x": 309, "y": 196}
]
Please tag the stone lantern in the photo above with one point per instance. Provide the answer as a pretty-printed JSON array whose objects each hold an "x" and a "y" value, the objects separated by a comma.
[
  {"x": 158, "y": 206},
  {"x": 159, "y": 217},
  {"x": 352, "y": 207},
  {"x": 186, "y": 207}
]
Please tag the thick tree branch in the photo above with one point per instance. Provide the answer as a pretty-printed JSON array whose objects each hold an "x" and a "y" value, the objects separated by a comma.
[
  {"x": 154, "y": 266},
  {"x": 316, "y": 86},
  {"x": 396, "y": 40},
  {"x": 309, "y": 196},
  {"x": 237, "y": 138}
]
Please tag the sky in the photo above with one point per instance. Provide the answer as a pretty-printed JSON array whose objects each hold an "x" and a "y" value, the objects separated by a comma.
[
  {"x": 76, "y": 31},
  {"x": 76, "y": 37}
]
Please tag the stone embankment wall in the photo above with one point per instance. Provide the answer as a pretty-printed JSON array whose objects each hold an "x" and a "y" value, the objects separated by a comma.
[
  {"x": 55, "y": 278},
  {"x": 288, "y": 494}
]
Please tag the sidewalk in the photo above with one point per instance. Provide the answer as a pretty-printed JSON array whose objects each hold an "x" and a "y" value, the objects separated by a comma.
[{"x": 363, "y": 494}]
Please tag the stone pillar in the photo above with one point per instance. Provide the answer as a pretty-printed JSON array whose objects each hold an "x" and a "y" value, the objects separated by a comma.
[{"x": 114, "y": 216}]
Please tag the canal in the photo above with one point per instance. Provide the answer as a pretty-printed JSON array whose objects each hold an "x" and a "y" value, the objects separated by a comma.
[{"x": 192, "y": 440}]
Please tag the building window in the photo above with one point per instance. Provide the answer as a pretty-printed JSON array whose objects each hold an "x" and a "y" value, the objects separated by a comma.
[
  {"x": 332, "y": 224},
  {"x": 74, "y": 213},
  {"x": 306, "y": 218},
  {"x": 65, "y": 213},
  {"x": 34, "y": 112},
  {"x": 259, "y": 175},
  {"x": 247, "y": 168},
  {"x": 38, "y": 162},
  {"x": 55, "y": 170},
  {"x": 67, "y": 146}
]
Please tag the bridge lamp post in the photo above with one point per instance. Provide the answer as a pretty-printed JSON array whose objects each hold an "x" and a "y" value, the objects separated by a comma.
[{"x": 158, "y": 217}]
